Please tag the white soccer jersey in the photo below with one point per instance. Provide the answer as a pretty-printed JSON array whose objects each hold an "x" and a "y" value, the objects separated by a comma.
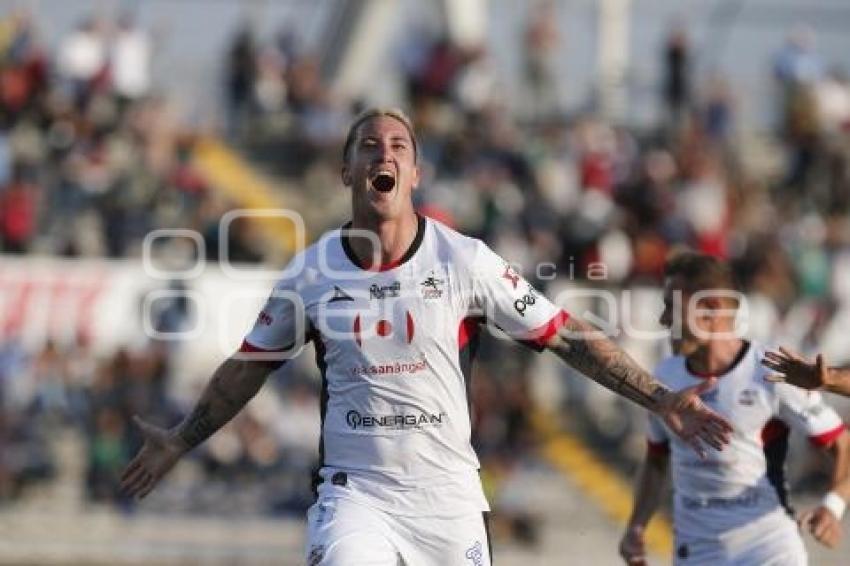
[
  {"x": 394, "y": 346},
  {"x": 743, "y": 482}
]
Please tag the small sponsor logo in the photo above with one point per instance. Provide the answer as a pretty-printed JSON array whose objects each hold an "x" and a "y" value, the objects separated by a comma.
[
  {"x": 392, "y": 368},
  {"x": 264, "y": 318},
  {"x": 385, "y": 291},
  {"x": 432, "y": 287},
  {"x": 750, "y": 498},
  {"x": 511, "y": 275},
  {"x": 475, "y": 554},
  {"x": 340, "y": 295},
  {"x": 357, "y": 420},
  {"x": 527, "y": 300}
]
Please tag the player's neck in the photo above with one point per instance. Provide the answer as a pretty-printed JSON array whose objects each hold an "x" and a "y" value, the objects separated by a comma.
[
  {"x": 395, "y": 236},
  {"x": 715, "y": 357}
]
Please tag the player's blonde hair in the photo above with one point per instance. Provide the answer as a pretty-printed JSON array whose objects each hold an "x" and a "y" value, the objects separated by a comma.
[{"x": 377, "y": 112}]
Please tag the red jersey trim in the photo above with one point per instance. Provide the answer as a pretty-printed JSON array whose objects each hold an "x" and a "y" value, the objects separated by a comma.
[
  {"x": 657, "y": 448},
  {"x": 539, "y": 336},
  {"x": 773, "y": 430},
  {"x": 249, "y": 348},
  {"x": 827, "y": 438},
  {"x": 467, "y": 330}
]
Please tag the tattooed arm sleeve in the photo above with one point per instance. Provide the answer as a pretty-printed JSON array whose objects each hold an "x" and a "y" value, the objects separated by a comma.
[
  {"x": 233, "y": 384},
  {"x": 588, "y": 350}
]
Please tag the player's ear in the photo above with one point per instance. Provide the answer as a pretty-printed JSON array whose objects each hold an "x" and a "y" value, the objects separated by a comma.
[{"x": 345, "y": 173}]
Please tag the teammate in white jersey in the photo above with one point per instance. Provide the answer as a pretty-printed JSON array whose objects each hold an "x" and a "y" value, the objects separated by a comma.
[
  {"x": 392, "y": 302},
  {"x": 732, "y": 507}
]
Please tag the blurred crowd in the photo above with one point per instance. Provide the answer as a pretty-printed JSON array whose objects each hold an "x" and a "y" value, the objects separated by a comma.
[{"x": 91, "y": 160}]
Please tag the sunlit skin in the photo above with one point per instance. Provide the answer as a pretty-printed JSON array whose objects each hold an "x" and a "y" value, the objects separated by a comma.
[{"x": 382, "y": 150}]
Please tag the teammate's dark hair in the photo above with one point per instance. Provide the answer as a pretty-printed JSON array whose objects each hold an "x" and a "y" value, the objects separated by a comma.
[
  {"x": 700, "y": 272},
  {"x": 370, "y": 113}
]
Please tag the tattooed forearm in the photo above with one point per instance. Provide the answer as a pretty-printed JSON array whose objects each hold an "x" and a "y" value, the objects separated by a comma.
[
  {"x": 586, "y": 349},
  {"x": 198, "y": 426},
  {"x": 231, "y": 387}
]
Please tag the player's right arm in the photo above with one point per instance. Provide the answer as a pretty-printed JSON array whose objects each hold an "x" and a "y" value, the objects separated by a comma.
[
  {"x": 233, "y": 384},
  {"x": 647, "y": 497},
  {"x": 794, "y": 369},
  {"x": 277, "y": 334}
]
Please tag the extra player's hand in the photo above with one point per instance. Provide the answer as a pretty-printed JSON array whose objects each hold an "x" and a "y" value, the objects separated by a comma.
[
  {"x": 158, "y": 455},
  {"x": 632, "y": 548},
  {"x": 824, "y": 526},
  {"x": 792, "y": 368},
  {"x": 695, "y": 423}
]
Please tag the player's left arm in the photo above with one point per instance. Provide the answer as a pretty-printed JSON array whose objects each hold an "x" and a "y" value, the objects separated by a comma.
[
  {"x": 793, "y": 368},
  {"x": 824, "y": 521},
  {"x": 588, "y": 350},
  {"x": 807, "y": 412}
]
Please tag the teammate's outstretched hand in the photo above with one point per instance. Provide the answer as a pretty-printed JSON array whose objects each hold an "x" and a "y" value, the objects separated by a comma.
[
  {"x": 632, "y": 547},
  {"x": 158, "y": 455},
  {"x": 824, "y": 526},
  {"x": 792, "y": 368},
  {"x": 695, "y": 423}
]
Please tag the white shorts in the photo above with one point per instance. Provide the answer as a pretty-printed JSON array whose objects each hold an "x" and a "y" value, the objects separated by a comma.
[
  {"x": 342, "y": 532},
  {"x": 772, "y": 541}
]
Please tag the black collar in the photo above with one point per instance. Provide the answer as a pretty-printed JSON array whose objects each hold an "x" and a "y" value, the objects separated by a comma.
[{"x": 414, "y": 246}]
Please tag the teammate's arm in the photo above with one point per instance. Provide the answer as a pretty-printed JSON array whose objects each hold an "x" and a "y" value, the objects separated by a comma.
[
  {"x": 589, "y": 351},
  {"x": 233, "y": 384},
  {"x": 647, "y": 498},
  {"x": 794, "y": 369},
  {"x": 824, "y": 521}
]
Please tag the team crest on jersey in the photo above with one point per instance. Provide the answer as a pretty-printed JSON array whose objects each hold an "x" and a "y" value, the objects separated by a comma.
[
  {"x": 384, "y": 291},
  {"x": 431, "y": 287},
  {"x": 748, "y": 397}
]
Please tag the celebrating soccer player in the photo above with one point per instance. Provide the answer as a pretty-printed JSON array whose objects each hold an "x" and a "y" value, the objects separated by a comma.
[
  {"x": 732, "y": 507},
  {"x": 393, "y": 303}
]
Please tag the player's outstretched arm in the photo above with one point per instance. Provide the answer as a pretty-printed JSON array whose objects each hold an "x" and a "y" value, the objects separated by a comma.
[
  {"x": 824, "y": 521},
  {"x": 233, "y": 384},
  {"x": 647, "y": 497},
  {"x": 589, "y": 351},
  {"x": 791, "y": 367}
]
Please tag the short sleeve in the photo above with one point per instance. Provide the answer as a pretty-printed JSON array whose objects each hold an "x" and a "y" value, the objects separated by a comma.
[
  {"x": 281, "y": 324},
  {"x": 807, "y": 412},
  {"x": 510, "y": 302}
]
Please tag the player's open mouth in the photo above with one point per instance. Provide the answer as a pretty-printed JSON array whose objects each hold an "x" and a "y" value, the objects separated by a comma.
[{"x": 383, "y": 182}]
